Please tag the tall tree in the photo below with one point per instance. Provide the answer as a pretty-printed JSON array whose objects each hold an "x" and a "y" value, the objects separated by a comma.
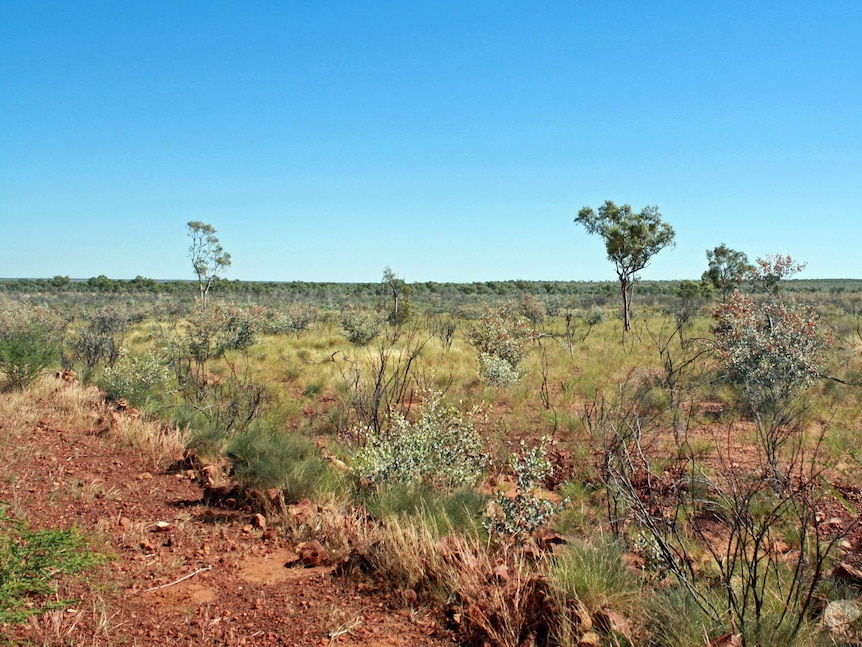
[
  {"x": 727, "y": 268},
  {"x": 207, "y": 255},
  {"x": 631, "y": 240}
]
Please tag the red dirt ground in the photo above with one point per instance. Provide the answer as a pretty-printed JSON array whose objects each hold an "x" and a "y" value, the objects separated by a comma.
[{"x": 155, "y": 526}]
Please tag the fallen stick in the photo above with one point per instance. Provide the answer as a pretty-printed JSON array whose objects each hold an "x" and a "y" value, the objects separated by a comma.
[{"x": 182, "y": 579}]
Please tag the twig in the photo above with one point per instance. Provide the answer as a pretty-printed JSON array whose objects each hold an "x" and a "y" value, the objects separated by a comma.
[{"x": 182, "y": 579}]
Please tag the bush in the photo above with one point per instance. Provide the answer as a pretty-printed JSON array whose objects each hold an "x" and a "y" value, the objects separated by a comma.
[
  {"x": 497, "y": 371},
  {"x": 595, "y": 316},
  {"x": 441, "y": 449},
  {"x": 30, "y": 342},
  {"x": 135, "y": 377},
  {"x": 504, "y": 337},
  {"x": 291, "y": 321},
  {"x": 220, "y": 328},
  {"x": 773, "y": 350},
  {"x": 533, "y": 309},
  {"x": 360, "y": 326},
  {"x": 99, "y": 342},
  {"x": 516, "y": 517},
  {"x": 221, "y": 407}
]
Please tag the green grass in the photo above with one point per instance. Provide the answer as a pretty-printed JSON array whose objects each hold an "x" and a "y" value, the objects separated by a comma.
[
  {"x": 267, "y": 458},
  {"x": 32, "y": 561},
  {"x": 460, "y": 512}
]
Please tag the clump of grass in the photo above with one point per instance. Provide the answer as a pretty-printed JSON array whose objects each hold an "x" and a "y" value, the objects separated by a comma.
[
  {"x": 264, "y": 458},
  {"x": 30, "y": 563},
  {"x": 594, "y": 576},
  {"x": 444, "y": 513},
  {"x": 674, "y": 619}
]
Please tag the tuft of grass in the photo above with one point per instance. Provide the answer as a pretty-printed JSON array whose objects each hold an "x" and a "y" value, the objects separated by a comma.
[
  {"x": 265, "y": 458},
  {"x": 595, "y": 576},
  {"x": 459, "y": 512},
  {"x": 30, "y": 563}
]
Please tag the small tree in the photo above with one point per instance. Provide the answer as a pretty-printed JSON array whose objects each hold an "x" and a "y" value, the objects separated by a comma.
[
  {"x": 30, "y": 341},
  {"x": 398, "y": 289},
  {"x": 727, "y": 268},
  {"x": 631, "y": 240},
  {"x": 207, "y": 255},
  {"x": 770, "y": 271}
]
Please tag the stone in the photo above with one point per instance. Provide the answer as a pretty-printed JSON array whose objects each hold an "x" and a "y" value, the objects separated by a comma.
[
  {"x": 312, "y": 554},
  {"x": 840, "y": 614}
]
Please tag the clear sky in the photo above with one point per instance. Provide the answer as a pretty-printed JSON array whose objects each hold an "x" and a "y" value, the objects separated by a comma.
[{"x": 452, "y": 141}]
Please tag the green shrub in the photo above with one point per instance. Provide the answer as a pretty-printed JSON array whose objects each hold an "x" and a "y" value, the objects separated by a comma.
[
  {"x": 99, "y": 341},
  {"x": 498, "y": 372},
  {"x": 220, "y": 328},
  {"x": 30, "y": 342},
  {"x": 360, "y": 327},
  {"x": 594, "y": 316},
  {"x": 516, "y": 517},
  {"x": 441, "y": 449},
  {"x": 503, "y": 335},
  {"x": 31, "y": 561},
  {"x": 138, "y": 378},
  {"x": 501, "y": 338},
  {"x": 291, "y": 321},
  {"x": 220, "y": 407}
]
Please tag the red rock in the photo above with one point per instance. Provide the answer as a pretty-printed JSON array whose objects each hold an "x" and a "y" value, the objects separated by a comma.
[{"x": 312, "y": 554}]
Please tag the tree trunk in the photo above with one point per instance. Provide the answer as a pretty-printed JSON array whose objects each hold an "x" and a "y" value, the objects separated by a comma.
[{"x": 624, "y": 288}]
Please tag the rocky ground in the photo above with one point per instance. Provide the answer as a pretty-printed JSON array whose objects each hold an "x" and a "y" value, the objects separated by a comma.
[{"x": 180, "y": 572}]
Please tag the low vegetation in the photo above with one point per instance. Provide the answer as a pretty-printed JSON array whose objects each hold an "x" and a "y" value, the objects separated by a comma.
[
  {"x": 32, "y": 561},
  {"x": 520, "y": 462}
]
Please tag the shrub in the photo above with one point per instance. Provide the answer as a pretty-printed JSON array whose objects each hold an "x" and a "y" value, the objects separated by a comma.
[
  {"x": 594, "y": 316},
  {"x": 773, "y": 350},
  {"x": 291, "y": 321},
  {"x": 516, "y": 517},
  {"x": 29, "y": 342},
  {"x": 135, "y": 377},
  {"x": 100, "y": 340},
  {"x": 221, "y": 407},
  {"x": 498, "y": 372},
  {"x": 532, "y": 309},
  {"x": 441, "y": 449},
  {"x": 503, "y": 336},
  {"x": 360, "y": 326},
  {"x": 215, "y": 330}
]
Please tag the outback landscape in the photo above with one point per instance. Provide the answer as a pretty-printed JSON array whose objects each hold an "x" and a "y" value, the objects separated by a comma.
[{"x": 504, "y": 463}]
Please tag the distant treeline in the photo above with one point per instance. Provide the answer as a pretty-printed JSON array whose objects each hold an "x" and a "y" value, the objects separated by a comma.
[{"x": 418, "y": 291}]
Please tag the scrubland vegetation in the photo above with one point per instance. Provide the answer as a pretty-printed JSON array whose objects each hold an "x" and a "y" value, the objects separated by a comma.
[{"x": 507, "y": 453}]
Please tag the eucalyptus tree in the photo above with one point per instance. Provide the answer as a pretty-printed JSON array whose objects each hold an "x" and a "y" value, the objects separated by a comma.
[
  {"x": 631, "y": 240},
  {"x": 207, "y": 255},
  {"x": 727, "y": 268}
]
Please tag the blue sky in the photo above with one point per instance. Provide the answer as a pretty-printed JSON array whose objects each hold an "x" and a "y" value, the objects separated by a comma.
[{"x": 452, "y": 141}]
